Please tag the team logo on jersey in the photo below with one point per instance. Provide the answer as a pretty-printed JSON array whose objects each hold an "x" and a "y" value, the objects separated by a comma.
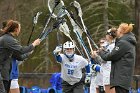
[{"x": 117, "y": 48}]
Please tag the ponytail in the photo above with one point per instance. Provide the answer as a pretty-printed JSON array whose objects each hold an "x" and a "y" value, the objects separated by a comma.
[
  {"x": 126, "y": 28},
  {"x": 130, "y": 27},
  {"x": 10, "y": 26}
]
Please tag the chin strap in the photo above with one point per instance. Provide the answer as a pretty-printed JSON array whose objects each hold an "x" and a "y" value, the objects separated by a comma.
[{"x": 69, "y": 57}]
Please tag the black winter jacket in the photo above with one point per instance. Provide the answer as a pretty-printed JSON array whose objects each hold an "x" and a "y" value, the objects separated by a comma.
[
  {"x": 9, "y": 46},
  {"x": 123, "y": 60}
]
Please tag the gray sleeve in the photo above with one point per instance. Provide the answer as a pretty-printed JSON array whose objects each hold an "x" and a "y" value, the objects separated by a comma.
[
  {"x": 21, "y": 57},
  {"x": 99, "y": 59},
  {"x": 14, "y": 45},
  {"x": 120, "y": 49}
]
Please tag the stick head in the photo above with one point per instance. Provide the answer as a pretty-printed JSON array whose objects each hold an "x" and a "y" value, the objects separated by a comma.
[
  {"x": 77, "y": 5},
  {"x": 58, "y": 22},
  {"x": 36, "y": 17},
  {"x": 56, "y": 6},
  {"x": 65, "y": 29}
]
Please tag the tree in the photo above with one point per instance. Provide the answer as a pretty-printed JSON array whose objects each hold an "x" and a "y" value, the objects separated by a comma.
[
  {"x": 97, "y": 15},
  {"x": 137, "y": 33},
  {"x": 105, "y": 15}
]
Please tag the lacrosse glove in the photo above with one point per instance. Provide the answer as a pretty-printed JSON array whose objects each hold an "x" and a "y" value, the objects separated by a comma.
[
  {"x": 96, "y": 67},
  {"x": 57, "y": 50},
  {"x": 87, "y": 78}
]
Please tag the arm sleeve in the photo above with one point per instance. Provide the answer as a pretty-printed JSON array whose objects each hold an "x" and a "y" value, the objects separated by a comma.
[
  {"x": 58, "y": 58},
  {"x": 119, "y": 50},
  {"x": 92, "y": 61},
  {"x": 21, "y": 57},
  {"x": 99, "y": 60},
  {"x": 14, "y": 45},
  {"x": 87, "y": 69}
]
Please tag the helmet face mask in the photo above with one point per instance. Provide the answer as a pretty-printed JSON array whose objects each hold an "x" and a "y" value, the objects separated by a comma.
[{"x": 69, "y": 52}]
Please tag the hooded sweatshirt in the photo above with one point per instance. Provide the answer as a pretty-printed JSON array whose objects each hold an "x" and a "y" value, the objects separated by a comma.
[{"x": 123, "y": 60}]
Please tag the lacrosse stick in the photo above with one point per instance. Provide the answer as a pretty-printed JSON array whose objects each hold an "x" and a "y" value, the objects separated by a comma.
[
  {"x": 78, "y": 7},
  {"x": 55, "y": 6},
  {"x": 35, "y": 19},
  {"x": 65, "y": 29},
  {"x": 71, "y": 13},
  {"x": 64, "y": 11},
  {"x": 55, "y": 25},
  {"x": 78, "y": 32},
  {"x": 58, "y": 13},
  {"x": 58, "y": 38}
]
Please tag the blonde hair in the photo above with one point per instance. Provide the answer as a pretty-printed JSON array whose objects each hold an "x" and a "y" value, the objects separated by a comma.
[{"x": 126, "y": 28}]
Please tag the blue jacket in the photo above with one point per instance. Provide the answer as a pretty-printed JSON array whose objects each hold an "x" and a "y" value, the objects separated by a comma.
[{"x": 56, "y": 81}]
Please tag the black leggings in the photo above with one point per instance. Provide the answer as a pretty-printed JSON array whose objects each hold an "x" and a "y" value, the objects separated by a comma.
[
  {"x": 119, "y": 89},
  {"x": 7, "y": 85},
  {"x": 2, "y": 89}
]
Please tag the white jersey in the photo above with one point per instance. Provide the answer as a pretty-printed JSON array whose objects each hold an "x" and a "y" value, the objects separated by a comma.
[
  {"x": 106, "y": 67},
  {"x": 71, "y": 72},
  {"x": 111, "y": 46}
]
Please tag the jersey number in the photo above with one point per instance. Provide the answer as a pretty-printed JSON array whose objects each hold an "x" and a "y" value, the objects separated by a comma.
[{"x": 70, "y": 72}]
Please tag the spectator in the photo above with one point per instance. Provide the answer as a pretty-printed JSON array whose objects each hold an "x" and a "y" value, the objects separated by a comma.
[{"x": 122, "y": 59}]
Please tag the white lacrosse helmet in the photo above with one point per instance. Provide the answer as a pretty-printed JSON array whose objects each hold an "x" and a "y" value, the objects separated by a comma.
[{"x": 67, "y": 45}]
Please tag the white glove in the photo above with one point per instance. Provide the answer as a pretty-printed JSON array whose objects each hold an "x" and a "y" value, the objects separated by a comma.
[
  {"x": 88, "y": 78},
  {"x": 58, "y": 49},
  {"x": 96, "y": 67}
]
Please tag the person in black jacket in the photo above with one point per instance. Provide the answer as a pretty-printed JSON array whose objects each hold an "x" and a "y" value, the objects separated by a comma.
[
  {"x": 122, "y": 59},
  {"x": 9, "y": 46}
]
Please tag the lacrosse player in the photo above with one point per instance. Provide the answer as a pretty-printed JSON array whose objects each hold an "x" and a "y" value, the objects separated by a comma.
[{"x": 71, "y": 68}]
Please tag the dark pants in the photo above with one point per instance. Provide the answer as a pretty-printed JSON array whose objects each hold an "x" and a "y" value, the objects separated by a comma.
[
  {"x": 76, "y": 88},
  {"x": 7, "y": 85},
  {"x": 2, "y": 89},
  {"x": 119, "y": 89}
]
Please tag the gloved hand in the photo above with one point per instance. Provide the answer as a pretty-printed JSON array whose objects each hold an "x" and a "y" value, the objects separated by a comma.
[
  {"x": 58, "y": 49},
  {"x": 87, "y": 79},
  {"x": 96, "y": 67}
]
